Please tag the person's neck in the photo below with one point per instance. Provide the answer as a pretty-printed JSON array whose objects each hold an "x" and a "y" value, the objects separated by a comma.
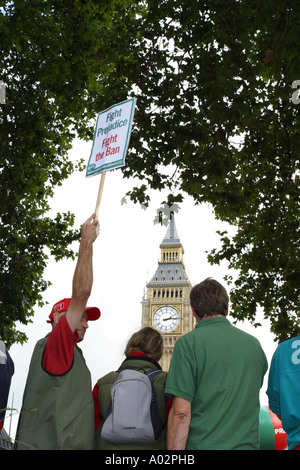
[{"x": 211, "y": 316}]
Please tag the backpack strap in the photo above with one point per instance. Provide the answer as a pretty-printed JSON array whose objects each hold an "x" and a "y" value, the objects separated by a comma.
[
  {"x": 153, "y": 372},
  {"x": 157, "y": 421}
]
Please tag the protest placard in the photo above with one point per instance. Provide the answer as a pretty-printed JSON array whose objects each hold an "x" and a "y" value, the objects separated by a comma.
[{"x": 111, "y": 138}]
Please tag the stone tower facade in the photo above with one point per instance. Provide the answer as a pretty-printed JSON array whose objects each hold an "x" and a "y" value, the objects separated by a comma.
[{"x": 166, "y": 305}]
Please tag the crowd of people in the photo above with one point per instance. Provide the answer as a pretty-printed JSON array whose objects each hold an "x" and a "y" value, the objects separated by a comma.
[{"x": 208, "y": 400}]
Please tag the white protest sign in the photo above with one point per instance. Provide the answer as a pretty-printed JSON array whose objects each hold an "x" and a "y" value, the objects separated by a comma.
[{"x": 111, "y": 138}]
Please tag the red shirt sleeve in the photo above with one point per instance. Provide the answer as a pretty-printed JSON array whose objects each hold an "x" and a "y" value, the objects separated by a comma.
[
  {"x": 59, "y": 351},
  {"x": 97, "y": 411},
  {"x": 168, "y": 407}
]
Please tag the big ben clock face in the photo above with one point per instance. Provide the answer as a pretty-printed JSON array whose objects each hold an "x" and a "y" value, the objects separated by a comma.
[{"x": 166, "y": 319}]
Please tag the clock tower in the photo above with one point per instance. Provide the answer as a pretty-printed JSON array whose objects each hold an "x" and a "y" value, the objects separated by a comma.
[{"x": 166, "y": 304}]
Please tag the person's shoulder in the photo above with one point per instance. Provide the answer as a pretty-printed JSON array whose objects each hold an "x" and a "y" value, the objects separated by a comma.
[
  {"x": 247, "y": 338},
  {"x": 288, "y": 344},
  {"x": 62, "y": 331},
  {"x": 108, "y": 378},
  {"x": 161, "y": 377},
  {"x": 41, "y": 342}
]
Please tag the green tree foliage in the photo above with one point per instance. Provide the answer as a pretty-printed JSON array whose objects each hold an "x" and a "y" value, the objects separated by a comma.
[
  {"x": 214, "y": 82},
  {"x": 54, "y": 75},
  {"x": 214, "y": 119}
]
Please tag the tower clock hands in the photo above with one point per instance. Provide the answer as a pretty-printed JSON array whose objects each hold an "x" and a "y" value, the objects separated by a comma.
[{"x": 166, "y": 319}]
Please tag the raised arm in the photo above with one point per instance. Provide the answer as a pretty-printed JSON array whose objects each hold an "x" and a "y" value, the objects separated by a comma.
[{"x": 83, "y": 276}]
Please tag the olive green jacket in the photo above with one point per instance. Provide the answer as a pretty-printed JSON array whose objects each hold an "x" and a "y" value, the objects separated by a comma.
[{"x": 57, "y": 411}]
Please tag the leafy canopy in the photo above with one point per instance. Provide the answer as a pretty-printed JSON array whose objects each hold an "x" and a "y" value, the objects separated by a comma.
[
  {"x": 216, "y": 105},
  {"x": 53, "y": 70},
  {"x": 214, "y": 119}
]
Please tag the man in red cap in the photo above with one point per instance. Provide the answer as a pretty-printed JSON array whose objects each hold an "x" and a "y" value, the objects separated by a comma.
[
  {"x": 59, "y": 350},
  {"x": 58, "y": 411}
]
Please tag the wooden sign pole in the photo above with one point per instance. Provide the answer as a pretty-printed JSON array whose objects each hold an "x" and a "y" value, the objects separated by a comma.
[{"x": 100, "y": 193}]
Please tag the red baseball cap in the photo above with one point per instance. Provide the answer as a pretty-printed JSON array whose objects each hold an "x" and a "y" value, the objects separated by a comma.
[{"x": 93, "y": 313}]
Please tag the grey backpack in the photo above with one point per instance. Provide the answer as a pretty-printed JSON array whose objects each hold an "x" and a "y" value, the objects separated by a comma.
[{"x": 133, "y": 414}]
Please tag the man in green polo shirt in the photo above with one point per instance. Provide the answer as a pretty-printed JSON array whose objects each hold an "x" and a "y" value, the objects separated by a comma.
[{"x": 215, "y": 376}]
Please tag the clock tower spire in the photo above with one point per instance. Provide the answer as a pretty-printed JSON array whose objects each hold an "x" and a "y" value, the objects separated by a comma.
[{"x": 166, "y": 305}]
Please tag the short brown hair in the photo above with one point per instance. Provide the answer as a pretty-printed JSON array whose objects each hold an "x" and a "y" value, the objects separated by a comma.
[
  {"x": 147, "y": 340},
  {"x": 209, "y": 298}
]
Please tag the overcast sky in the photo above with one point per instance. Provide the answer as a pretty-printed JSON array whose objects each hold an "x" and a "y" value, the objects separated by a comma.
[{"x": 126, "y": 254}]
